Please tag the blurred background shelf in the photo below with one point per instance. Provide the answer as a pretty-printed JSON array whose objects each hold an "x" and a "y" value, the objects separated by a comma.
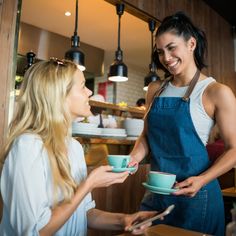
[{"x": 118, "y": 110}]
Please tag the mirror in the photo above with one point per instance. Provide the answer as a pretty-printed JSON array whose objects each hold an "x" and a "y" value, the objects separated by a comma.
[{"x": 97, "y": 29}]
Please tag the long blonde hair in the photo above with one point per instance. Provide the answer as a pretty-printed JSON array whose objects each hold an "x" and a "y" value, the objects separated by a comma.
[{"x": 41, "y": 110}]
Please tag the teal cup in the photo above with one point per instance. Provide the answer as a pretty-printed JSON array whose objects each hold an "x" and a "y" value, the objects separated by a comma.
[
  {"x": 118, "y": 161},
  {"x": 161, "y": 179}
]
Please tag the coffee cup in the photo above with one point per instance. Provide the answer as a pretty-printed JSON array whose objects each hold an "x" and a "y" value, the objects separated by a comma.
[
  {"x": 161, "y": 179},
  {"x": 118, "y": 161}
]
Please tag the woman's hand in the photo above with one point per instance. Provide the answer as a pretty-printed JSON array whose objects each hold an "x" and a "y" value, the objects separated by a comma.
[
  {"x": 129, "y": 220},
  {"x": 190, "y": 186},
  {"x": 133, "y": 163},
  {"x": 103, "y": 177}
]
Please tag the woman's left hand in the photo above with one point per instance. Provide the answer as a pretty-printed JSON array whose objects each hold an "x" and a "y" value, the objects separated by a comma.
[
  {"x": 190, "y": 186},
  {"x": 129, "y": 220}
]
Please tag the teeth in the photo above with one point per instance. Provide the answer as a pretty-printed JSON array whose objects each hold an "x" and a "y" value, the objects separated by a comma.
[{"x": 171, "y": 66}]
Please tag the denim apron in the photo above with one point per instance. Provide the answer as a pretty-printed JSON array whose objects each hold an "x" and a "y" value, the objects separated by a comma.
[{"x": 176, "y": 148}]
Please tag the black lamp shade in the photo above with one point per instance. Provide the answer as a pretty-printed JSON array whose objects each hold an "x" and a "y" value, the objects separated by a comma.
[
  {"x": 77, "y": 56},
  {"x": 151, "y": 77},
  {"x": 118, "y": 72}
]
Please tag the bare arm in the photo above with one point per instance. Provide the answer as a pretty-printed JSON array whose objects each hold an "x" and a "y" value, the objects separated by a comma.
[
  {"x": 100, "y": 177},
  {"x": 219, "y": 102},
  {"x": 225, "y": 115},
  {"x": 98, "y": 219}
]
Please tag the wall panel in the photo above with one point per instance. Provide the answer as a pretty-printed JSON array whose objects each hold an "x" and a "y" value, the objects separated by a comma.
[
  {"x": 8, "y": 14},
  {"x": 218, "y": 31}
]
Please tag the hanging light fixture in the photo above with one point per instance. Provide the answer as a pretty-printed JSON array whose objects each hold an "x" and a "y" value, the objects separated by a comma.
[
  {"x": 75, "y": 54},
  {"x": 118, "y": 70},
  {"x": 152, "y": 75}
]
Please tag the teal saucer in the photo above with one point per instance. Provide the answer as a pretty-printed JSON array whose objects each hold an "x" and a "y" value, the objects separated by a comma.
[
  {"x": 118, "y": 170},
  {"x": 154, "y": 189}
]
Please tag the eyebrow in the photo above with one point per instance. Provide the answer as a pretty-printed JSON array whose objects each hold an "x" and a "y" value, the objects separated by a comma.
[{"x": 169, "y": 44}]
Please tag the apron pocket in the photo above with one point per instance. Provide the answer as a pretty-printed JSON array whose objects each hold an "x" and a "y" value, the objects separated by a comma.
[{"x": 189, "y": 213}]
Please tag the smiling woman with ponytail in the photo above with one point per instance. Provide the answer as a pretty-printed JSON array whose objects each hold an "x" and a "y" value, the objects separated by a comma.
[{"x": 181, "y": 112}]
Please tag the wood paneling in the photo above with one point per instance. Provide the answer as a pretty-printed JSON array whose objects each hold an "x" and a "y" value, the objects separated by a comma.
[
  {"x": 123, "y": 198},
  {"x": 8, "y": 14},
  {"x": 220, "y": 60},
  {"x": 220, "y": 39},
  {"x": 219, "y": 32}
]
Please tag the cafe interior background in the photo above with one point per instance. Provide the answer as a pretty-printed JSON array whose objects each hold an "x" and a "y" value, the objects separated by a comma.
[{"x": 42, "y": 27}]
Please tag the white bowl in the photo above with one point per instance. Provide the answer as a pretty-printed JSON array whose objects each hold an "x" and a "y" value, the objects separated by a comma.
[
  {"x": 84, "y": 126},
  {"x": 134, "y": 127},
  {"x": 113, "y": 131}
]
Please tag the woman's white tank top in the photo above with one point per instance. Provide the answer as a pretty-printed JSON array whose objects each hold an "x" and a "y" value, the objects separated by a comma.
[{"x": 202, "y": 122}]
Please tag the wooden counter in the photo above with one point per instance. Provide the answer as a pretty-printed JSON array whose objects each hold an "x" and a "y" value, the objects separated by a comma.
[
  {"x": 166, "y": 230},
  {"x": 93, "y": 140},
  {"x": 125, "y": 197},
  {"x": 229, "y": 192}
]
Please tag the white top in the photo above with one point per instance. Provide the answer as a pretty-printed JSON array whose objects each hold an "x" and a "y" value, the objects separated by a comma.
[
  {"x": 202, "y": 122},
  {"x": 26, "y": 188}
]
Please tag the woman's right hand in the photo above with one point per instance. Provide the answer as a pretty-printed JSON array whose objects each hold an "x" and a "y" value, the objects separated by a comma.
[
  {"x": 133, "y": 163},
  {"x": 104, "y": 177}
]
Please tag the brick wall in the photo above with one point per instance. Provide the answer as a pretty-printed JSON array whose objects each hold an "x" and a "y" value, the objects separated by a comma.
[{"x": 129, "y": 91}]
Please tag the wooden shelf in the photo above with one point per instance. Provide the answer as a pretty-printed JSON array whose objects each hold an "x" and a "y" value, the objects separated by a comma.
[
  {"x": 229, "y": 192},
  {"x": 135, "y": 112},
  {"x": 85, "y": 140}
]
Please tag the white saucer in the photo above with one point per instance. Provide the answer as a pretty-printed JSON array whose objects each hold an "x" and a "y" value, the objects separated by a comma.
[
  {"x": 117, "y": 170},
  {"x": 154, "y": 189},
  {"x": 114, "y": 135}
]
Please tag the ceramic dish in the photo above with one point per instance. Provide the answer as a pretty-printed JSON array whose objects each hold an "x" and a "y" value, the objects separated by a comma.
[
  {"x": 154, "y": 189},
  {"x": 117, "y": 170}
]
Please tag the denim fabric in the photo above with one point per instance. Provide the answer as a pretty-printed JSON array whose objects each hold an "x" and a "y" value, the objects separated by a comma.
[{"x": 176, "y": 148}]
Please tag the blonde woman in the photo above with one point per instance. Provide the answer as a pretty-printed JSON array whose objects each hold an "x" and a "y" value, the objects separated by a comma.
[{"x": 44, "y": 184}]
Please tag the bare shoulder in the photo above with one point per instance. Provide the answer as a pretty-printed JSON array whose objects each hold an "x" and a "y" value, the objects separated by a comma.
[
  {"x": 152, "y": 88},
  {"x": 218, "y": 92}
]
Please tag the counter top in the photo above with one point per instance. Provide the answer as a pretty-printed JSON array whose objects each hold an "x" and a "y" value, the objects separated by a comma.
[
  {"x": 87, "y": 140},
  {"x": 167, "y": 230},
  {"x": 229, "y": 192}
]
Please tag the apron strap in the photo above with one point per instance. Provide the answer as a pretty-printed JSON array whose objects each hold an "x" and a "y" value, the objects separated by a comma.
[
  {"x": 191, "y": 86},
  {"x": 157, "y": 94},
  {"x": 162, "y": 88},
  {"x": 164, "y": 84}
]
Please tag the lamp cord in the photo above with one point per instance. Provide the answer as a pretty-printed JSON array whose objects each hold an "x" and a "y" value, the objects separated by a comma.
[
  {"x": 152, "y": 25},
  {"x": 151, "y": 47},
  {"x": 119, "y": 18},
  {"x": 76, "y": 18},
  {"x": 119, "y": 11}
]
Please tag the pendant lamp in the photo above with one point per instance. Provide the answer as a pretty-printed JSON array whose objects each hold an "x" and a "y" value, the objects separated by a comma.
[
  {"x": 152, "y": 75},
  {"x": 118, "y": 70},
  {"x": 75, "y": 54}
]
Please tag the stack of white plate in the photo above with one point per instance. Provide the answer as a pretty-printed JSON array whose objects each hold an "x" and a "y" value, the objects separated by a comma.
[
  {"x": 110, "y": 132},
  {"x": 85, "y": 128},
  {"x": 134, "y": 127}
]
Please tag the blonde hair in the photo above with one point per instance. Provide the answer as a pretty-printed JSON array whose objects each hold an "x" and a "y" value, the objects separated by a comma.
[{"x": 41, "y": 110}]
